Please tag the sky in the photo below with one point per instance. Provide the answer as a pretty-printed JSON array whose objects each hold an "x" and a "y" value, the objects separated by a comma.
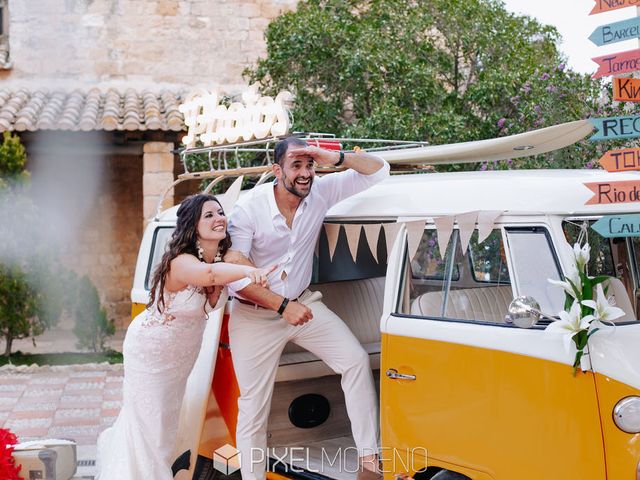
[{"x": 571, "y": 18}]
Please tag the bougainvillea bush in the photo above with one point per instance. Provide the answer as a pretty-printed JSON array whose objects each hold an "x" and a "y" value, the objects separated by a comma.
[{"x": 8, "y": 468}]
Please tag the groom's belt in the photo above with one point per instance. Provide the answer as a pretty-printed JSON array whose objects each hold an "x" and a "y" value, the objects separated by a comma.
[{"x": 255, "y": 305}]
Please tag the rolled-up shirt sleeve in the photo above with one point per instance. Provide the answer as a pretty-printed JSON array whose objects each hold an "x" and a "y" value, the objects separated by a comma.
[{"x": 338, "y": 186}]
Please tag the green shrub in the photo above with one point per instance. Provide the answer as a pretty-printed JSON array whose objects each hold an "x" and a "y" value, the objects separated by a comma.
[
  {"x": 92, "y": 326},
  {"x": 18, "y": 307}
]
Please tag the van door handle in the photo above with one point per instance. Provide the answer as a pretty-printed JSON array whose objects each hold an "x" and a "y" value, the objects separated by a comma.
[{"x": 393, "y": 374}]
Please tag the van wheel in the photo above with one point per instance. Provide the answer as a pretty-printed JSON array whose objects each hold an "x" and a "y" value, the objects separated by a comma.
[{"x": 448, "y": 475}]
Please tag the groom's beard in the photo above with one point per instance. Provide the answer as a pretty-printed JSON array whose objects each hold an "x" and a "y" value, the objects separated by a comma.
[{"x": 291, "y": 187}]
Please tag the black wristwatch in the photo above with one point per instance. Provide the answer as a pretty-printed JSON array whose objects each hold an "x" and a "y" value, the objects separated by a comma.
[
  {"x": 340, "y": 160},
  {"x": 283, "y": 305}
]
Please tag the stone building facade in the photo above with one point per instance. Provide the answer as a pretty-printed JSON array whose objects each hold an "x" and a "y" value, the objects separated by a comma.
[{"x": 93, "y": 88}]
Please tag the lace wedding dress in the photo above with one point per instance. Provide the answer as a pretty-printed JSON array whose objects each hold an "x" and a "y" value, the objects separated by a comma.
[{"x": 159, "y": 353}]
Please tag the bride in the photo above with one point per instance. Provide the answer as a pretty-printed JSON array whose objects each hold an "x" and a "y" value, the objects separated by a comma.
[{"x": 162, "y": 343}]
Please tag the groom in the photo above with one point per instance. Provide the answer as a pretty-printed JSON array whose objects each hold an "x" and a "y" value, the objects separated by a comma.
[{"x": 279, "y": 223}]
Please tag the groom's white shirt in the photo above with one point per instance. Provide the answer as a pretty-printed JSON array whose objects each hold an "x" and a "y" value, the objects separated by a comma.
[{"x": 259, "y": 231}]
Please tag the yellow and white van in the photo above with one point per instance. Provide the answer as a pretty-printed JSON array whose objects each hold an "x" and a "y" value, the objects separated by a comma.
[{"x": 423, "y": 268}]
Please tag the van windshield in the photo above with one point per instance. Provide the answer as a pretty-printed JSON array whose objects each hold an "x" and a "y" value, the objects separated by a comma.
[{"x": 616, "y": 257}]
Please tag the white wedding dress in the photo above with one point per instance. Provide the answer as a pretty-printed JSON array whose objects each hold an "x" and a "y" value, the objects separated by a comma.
[{"x": 159, "y": 353}]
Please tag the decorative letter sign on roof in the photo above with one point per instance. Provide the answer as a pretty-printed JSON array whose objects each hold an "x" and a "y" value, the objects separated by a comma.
[
  {"x": 605, "y": 193},
  {"x": 621, "y": 160},
  {"x": 616, "y": 128},
  {"x": 210, "y": 121},
  {"x": 618, "y": 226},
  {"x": 608, "y": 5},
  {"x": 616, "y": 32}
]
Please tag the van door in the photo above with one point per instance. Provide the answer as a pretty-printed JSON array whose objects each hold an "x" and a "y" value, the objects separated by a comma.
[{"x": 464, "y": 391}]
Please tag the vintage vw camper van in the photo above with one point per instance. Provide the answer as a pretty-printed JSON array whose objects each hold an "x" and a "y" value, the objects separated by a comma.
[{"x": 423, "y": 269}]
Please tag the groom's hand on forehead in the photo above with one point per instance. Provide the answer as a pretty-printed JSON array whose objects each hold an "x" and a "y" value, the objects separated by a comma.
[{"x": 324, "y": 158}]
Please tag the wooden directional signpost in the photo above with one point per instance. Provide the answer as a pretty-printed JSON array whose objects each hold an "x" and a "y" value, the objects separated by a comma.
[
  {"x": 621, "y": 160},
  {"x": 608, "y": 5},
  {"x": 618, "y": 226},
  {"x": 616, "y": 32},
  {"x": 615, "y": 128},
  {"x": 626, "y": 90}
]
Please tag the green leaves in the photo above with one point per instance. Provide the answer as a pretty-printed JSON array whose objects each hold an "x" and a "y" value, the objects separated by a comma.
[{"x": 442, "y": 71}]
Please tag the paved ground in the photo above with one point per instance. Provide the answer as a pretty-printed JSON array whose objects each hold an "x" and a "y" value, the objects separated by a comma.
[{"x": 76, "y": 402}]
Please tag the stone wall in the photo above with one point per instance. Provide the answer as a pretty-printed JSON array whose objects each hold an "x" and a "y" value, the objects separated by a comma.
[
  {"x": 106, "y": 248},
  {"x": 185, "y": 42}
]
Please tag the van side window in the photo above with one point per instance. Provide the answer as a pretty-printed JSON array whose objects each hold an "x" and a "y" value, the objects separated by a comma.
[
  {"x": 160, "y": 239},
  {"x": 601, "y": 261},
  {"x": 534, "y": 263},
  {"x": 474, "y": 286}
]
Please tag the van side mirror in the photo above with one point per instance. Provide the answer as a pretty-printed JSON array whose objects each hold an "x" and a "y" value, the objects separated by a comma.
[{"x": 524, "y": 312}]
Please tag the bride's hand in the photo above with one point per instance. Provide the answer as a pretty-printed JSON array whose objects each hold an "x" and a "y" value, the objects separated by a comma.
[{"x": 259, "y": 275}]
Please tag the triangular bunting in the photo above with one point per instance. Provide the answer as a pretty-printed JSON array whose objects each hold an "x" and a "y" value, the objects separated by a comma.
[
  {"x": 390, "y": 233},
  {"x": 372, "y": 233},
  {"x": 230, "y": 197},
  {"x": 486, "y": 222},
  {"x": 332, "y": 230},
  {"x": 353, "y": 238},
  {"x": 415, "y": 230},
  {"x": 444, "y": 226},
  {"x": 466, "y": 225}
]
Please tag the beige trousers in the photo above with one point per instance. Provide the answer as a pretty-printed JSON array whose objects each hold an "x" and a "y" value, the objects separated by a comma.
[{"x": 257, "y": 338}]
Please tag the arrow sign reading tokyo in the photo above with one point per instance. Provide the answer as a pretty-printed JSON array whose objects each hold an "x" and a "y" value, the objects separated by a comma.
[
  {"x": 615, "y": 128},
  {"x": 618, "y": 226},
  {"x": 617, "y": 63},
  {"x": 621, "y": 160},
  {"x": 616, "y": 32},
  {"x": 608, "y": 5},
  {"x": 626, "y": 89},
  {"x": 605, "y": 193}
]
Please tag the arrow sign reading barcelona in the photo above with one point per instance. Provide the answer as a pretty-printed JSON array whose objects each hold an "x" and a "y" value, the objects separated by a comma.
[
  {"x": 605, "y": 193},
  {"x": 608, "y": 5},
  {"x": 626, "y": 89},
  {"x": 615, "y": 128},
  {"x": 621, "y": 160},
  {"x": 618, "y": 226},
  {"x": 616, "y": 32},
  {"x": 617, "y": 63}
]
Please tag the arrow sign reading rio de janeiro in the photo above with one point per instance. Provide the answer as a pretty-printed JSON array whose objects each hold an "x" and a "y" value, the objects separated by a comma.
[
  {"x": 618, "y": 226},
  {"x": 616, "y": 32},
  {"x": 626, "y": 89},
  {"x": 605, "y": 193},
  {"x": 617, "y": 63},
  {"x": 615, "y": 128},
  {"x": 621, "y": 160},
  {"x": 608, "y": 5}
]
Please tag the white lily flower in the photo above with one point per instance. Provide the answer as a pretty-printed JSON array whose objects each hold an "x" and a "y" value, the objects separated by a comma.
[
  {"x": 582, "y": 255},
  {"x": 603, "y": 311},
  {"x": 569, "y": 324},
  {"x": 571, "y": 283}
]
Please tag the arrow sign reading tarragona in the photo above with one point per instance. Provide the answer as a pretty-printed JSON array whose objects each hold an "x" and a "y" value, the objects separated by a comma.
[
  {"x": 617, "y": 63},
  {"x": 613, "y": 128},
  {"x": 616, "y": 32},
  {"x": 612, "y": 226},
  {"x": 608, "y": 5}
]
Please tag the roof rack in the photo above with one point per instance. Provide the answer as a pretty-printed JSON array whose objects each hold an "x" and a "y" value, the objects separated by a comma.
[{"x": 404, "y": 156}]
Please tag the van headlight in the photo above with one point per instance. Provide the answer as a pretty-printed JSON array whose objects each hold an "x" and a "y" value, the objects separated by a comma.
[{"x": 626, "y": 414}]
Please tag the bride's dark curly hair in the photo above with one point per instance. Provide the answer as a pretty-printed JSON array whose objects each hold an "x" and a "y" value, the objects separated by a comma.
[{"x": 182, "y": 241}]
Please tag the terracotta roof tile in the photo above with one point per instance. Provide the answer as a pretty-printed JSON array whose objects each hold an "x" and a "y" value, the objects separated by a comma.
[{"x": 94, "y": 109}]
